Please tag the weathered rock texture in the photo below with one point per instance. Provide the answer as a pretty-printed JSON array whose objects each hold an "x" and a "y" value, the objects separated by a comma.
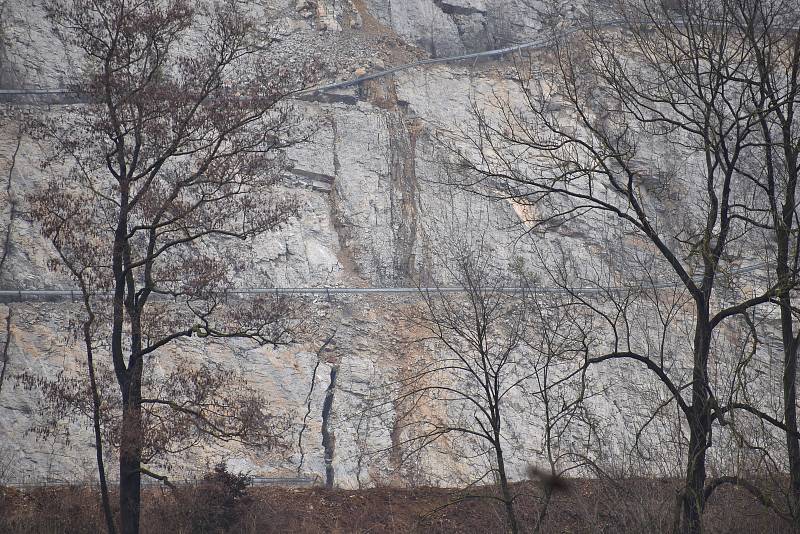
[
  {"x": 374, "y": 214},
  {"x": 450, "y": 27}
]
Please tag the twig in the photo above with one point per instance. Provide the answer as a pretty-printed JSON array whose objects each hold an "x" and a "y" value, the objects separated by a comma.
[{"x": 161, "y": 478}]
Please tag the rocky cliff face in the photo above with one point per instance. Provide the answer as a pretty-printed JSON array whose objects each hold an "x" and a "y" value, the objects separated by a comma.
[
  {"x": 374, "y": 214},
  {"x": 451, "y": 27}
]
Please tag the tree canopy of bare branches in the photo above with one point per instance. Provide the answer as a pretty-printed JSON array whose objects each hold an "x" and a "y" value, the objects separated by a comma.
[
  {"x": 488, "y": 351},
  {"x": 652, "y": 127},
  {"x": 176, "y": 158}
]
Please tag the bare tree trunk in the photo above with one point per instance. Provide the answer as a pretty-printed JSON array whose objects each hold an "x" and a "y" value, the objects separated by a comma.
[
  {"x": 130, "y": 458},
  {"x": 508, "y": 500},
  {"x": 783, "y": 226},
  {"x": 4, "y": 355},
  {"x": 98, "y": 437},
  {"x": 790, "y": 406},
  {"x": 692, "y": 501},
  {"x": 133, "y": 75},
  {"x": 7, "y": 249}
]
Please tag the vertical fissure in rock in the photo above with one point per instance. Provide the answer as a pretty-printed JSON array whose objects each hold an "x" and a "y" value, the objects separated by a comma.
[
  {"x": 308, "y": 402},
  {"x": 305, "y": 419},
  {"x": 335, "y": 215},
  {"x": 403, "y": 130},
  {"x": 328, "y": 436},
  {"x": 6, "y": 344},
  {"x": 403, "y": 192},
  {"x": 335, "y": 147},
  {"x": 398, "y": 422},
  {"x": 361, "y": 444},
  {"x": 341, "y": 226},
  {"x": 395, "y": 453}
]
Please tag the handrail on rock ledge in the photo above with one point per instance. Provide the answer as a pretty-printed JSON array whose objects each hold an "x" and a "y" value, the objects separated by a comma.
[
  {"x": 535, "y": 45},
  {"x": 22, "y": 295}
]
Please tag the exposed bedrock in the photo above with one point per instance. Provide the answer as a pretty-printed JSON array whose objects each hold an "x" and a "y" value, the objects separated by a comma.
[
  {"x": 375, "y": 212},
  {"x": 449, "y": 27}
]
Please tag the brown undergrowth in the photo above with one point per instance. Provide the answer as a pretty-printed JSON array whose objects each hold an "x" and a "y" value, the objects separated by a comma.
[{"x": 588, "y": 506}]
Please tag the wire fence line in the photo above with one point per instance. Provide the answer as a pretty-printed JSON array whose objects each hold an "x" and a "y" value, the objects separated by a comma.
[
  {"x": 23, "y": 295},
  {"x": 538, "y": 44}
]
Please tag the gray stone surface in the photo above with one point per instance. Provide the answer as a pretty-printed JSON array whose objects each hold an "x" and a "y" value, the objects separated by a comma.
[
  {"x": 448, "y": 27},
  {"x": 374, "y": 213}
]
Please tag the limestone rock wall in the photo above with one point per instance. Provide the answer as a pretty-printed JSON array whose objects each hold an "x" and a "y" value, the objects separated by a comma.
[
  {"x": 374, "y": 214},
  {"x": 450, "y": 27}
]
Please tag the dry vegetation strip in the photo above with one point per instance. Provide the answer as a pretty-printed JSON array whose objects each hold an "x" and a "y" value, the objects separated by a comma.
[{"x": 632, "y": 506}]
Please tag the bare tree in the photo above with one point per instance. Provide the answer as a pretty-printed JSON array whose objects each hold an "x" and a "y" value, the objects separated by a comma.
[
  {"x": 645, "y": 128},
  {"x": 176, "y": 156},
  {"x": 12, "y": 214},
  {"x": 11, "y": 202},
  {"x": 486, "y": 358},
  {"x": 771, "y": 30},
  {"x": 555, "y": 342}
]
